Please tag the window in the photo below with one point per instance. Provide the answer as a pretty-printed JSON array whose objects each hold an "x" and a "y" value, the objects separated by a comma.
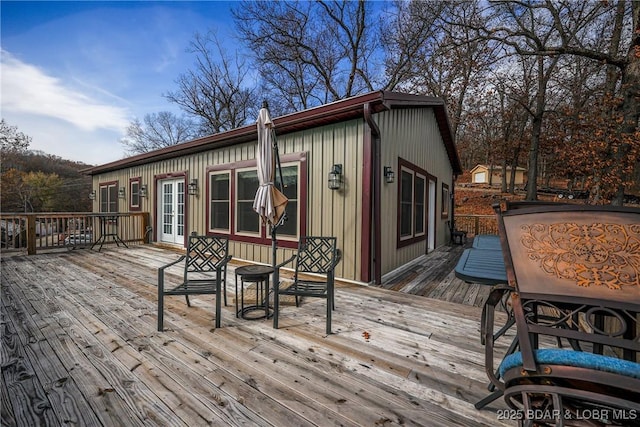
[
  {"x": 411, "y": 204},
  {"x": 232, "y": 190},
  {"x": 109, "y": 197},
  {"x": 406, "y": 204},
  {"x": 247, "y": 221},
  {"x": 420, "y": 195},
  {"x": 134, "y": 194},
  {"x": 446, "y": 200},
  {"x": 220, "y": 203},
  {"x": 290, "y": 176}
]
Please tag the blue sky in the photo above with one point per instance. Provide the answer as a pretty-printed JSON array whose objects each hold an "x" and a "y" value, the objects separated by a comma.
[{"x": 74, "y": 74}]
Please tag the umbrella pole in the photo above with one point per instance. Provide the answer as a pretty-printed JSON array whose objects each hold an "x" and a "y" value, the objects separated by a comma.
[
  {"x": 276, "y": 151},
  {"x": 274, "y": 228}
]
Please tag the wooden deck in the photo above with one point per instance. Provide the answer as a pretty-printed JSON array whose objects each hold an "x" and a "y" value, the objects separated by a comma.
[
  {"x": 80, "y": 347},
  {"x": 432, "y": 276}
]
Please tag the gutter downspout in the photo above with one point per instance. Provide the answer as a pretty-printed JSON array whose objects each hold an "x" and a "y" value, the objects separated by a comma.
[{"x": 375, "y": 252}]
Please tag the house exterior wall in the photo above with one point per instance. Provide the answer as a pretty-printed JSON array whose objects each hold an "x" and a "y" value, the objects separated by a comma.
[
  {"x": 333, "y": 212},
  {"x": 408, "y": 136},
  {"x": 411, "y": 135},
  {"x": 328, "y": 212}
]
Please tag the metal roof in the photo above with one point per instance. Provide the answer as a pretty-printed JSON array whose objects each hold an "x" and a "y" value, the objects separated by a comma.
[{"x": 334, "y": 112}]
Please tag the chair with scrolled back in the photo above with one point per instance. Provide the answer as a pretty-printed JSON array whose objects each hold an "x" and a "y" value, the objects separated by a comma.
[
  {"x": 575, "y": 275},
  {"x": 205, "y": 268}
]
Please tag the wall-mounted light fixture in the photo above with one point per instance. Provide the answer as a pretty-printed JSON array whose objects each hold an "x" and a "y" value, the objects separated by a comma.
[
  {"x": 335, "y": 177},
  {"x": 92, "y": 195},
  {"x": 389, "y": 175},
  {"x": 193, "y": 187},
  {"x": 121, "y": 193},
  {"x": 143, "y": 191}
]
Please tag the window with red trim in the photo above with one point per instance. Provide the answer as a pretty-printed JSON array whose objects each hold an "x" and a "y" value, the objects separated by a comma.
[
  {"x": 446, "y": 200},
  {"x": 412, "y": 196},
  {"x": 231, "y": 191},
  {"x": 134, "y": 194},
  {"x": 109, "y": 197}
]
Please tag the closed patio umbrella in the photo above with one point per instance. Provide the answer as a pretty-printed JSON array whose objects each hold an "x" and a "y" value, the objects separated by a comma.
[{"x": 269, "y": 201}]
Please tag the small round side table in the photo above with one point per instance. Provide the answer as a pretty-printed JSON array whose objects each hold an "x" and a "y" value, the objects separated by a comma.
[{"x": 258, "y": 274}]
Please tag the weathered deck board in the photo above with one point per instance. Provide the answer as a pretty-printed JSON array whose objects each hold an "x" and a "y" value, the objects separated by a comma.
[
  {"x": 62, "y": 392},
  {"x": 79, "y": 346},
  {"x": 432, "y": 276}
]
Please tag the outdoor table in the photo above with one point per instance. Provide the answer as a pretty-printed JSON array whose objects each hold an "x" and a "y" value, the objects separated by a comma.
[
  {"x": 258, "y": 274},
  {"x": 108, "y": 228}
]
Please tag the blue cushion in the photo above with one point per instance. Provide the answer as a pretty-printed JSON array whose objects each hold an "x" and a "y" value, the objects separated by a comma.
[{"x": 579, "y": 359}]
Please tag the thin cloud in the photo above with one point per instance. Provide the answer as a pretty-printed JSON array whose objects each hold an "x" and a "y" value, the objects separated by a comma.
[{"x": 27, "y": 89}]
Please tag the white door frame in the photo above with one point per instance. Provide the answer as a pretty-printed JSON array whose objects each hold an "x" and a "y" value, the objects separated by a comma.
[{"x": 171, "y": 210}]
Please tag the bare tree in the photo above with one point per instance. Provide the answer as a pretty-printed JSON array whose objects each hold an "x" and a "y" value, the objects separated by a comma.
[
  {"x": 431, "y": 50},
  {"x": 11, "y": 139},
  {"x": 218, "y": 91},
  {"x": 552, "y": 29},
  {"x": 13, "y": 143},
  {"x": 158, "y": 130},
  {"x": 310, "y": 53}
]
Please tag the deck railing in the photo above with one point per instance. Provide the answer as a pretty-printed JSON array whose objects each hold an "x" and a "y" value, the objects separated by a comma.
[
  {"x": 32, "y": 232},
  {"x": 476, "y": 224}
]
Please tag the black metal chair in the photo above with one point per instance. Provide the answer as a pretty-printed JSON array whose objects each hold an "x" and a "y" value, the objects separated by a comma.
[
  {"x": 205, "y": 271},
  {"x": 458, "y": 237},
  {"x": 316, "y": 256},
  {"x": 576, "y": 304}
]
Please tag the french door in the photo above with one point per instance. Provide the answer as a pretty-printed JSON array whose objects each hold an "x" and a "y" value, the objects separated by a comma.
[{"x": 171, "y": 211}]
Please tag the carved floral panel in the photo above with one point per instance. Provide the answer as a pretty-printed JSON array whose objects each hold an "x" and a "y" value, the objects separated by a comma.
[{"x": 597, "y": 254}]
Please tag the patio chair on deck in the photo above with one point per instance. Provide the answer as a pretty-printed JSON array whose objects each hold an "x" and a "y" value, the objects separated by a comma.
[
  {"x": 459, "y": 237},
  {"x": 576, "y": 301},
  {"x": 315, "y": 256},
  {"x": 205, "y": 271}
]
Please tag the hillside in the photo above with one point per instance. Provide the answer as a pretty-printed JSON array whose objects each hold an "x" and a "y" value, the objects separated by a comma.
[
  {"x": 477, "y": 199},
  {"x": 36, "y": 181}
]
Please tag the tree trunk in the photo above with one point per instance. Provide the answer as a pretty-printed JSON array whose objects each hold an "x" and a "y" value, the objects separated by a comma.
[
  {"x": 630, "y": 99},
  {"x": 514, "y": 170},
  {"x": 532, "y": 173}
]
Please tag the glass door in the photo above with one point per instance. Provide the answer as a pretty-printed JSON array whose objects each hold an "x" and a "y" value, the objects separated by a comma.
[{"x": 171, "y": 211}]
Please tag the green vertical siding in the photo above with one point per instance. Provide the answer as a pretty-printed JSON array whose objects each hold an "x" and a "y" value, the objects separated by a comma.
[
  {"x": 329, "y": 213},
  {"x": 413, "y": 135}
]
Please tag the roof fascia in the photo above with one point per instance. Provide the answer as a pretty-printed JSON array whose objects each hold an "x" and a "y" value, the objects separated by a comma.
[{"x": 337, "y": 111}]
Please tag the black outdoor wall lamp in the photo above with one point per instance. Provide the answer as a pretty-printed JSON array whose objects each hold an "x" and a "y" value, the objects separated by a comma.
[
  {"x": 121, "y": 193},
  {"x": 92, "y": 195},
  {"x": 335, "y": 177},
  {"x": 143, "y": 191},
  {"x": 389, "y": 175},
  {"x": 193, "y": 187}
]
